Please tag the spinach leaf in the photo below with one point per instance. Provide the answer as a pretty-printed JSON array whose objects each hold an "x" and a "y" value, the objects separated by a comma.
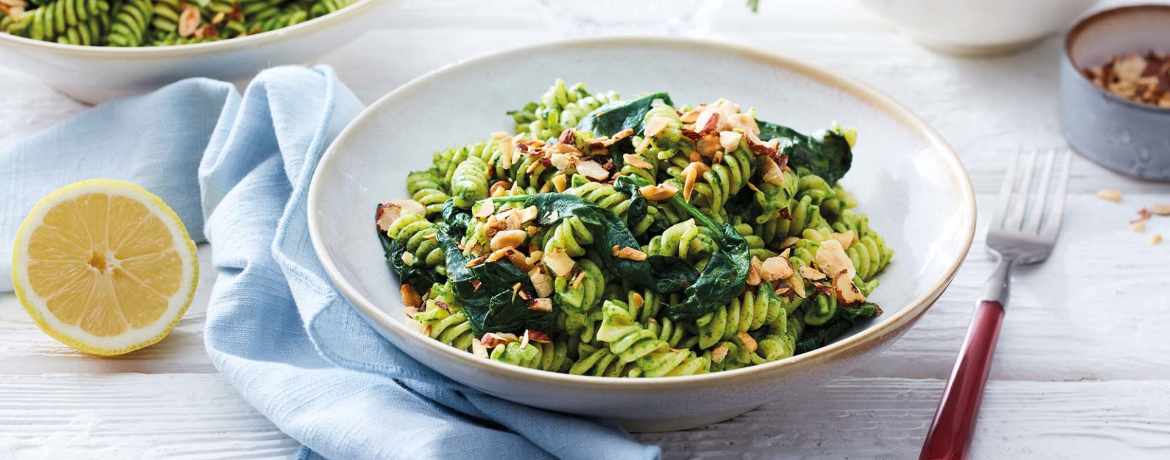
[
  {"x": 486, "y": 294},
  {"x": 418, "y": 276},
  {"x": 616, "y": 116},
  {"x": 725, "y": 275},
  {"x": 638, "y": 207},
  {"x": 829, "y": 158},
  {"x": 456, "y": 218},
  {"x": 847, "y": 316}
]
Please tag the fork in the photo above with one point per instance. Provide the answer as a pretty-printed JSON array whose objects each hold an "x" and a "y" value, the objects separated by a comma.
[{"x": 1013, "y": 241}]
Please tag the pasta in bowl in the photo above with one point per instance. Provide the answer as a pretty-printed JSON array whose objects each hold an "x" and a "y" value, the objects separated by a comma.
[
  {"x": 910, "y": 185},
  {"x": 97, "y": 50},
  {"x": 633, "y": 238}
]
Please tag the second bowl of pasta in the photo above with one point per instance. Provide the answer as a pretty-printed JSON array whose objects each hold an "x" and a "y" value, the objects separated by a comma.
[
  {"x": 96, "y": 50},
  {"x": 618, "y": 246}
]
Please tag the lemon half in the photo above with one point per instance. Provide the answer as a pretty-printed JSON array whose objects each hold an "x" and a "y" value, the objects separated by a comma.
[{"x": 104, "y": 266}]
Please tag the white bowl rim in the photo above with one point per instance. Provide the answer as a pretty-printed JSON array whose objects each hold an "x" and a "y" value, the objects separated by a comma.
[
  {"x": 149, "y": 52},
  {"x": 827, "y": 353}
]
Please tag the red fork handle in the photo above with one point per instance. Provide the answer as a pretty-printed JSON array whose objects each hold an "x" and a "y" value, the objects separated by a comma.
[{"x": 949, "y": 437}]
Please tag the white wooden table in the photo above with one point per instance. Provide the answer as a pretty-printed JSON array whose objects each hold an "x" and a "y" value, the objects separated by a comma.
[{"x": 1083, "y": 364}]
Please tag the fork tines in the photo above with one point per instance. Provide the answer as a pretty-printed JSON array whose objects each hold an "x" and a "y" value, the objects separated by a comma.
[{"x": 1042, "y": 209}]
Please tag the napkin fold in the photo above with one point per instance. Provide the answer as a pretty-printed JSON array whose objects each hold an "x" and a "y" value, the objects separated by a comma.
[{"x": 237, "y": 170}]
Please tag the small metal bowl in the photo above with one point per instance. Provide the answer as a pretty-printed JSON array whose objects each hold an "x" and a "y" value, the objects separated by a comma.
[{"x": 1128, "y": 137}]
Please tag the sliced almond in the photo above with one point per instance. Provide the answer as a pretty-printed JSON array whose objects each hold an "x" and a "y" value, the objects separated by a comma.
[
  {"x": 797, "y": 284},
  {"x": 568, "y": 137},
  {"x": 478, "y": 349},
  {"x": 410, "y": 297},
  {"x": 499, "y": 254},
  {"x": 655, "y": 125},
  {"x": 506, "y": 150},
  {"x": 408, "y": 258},
  {"x": 810, "y": 273},
  {"x": 846, "y": 239},
  {"x": 476, "y": 261},
  {"x": 560, "y": 160},
  {"x": 789, "y": 242},
  {"x": 537, "y": 336},
  {"x": 1110, "y": 195},
  {"x": 729, "y": 140},
  {"x": 719, "y": 353},
  {"x": 846, "y": 290},
  {"x": 744, "y": 122},
  {"x": 775, "y": 268},
  {"x": 486, "y": 208},
  {"x": 642, "y": 146},
  {"x": 636, "y": 300},
  {"x": 565, "y": 149},
  {"x": 760, "y": 147},
  {"x": 508, "y": 239},
  {"x": 1155, "y": 239},
  {"x": 753, "y": 278},
  {"x": 189, "y": 21},
  {"x": 560, "y": 263},
  {"x": 629, "y": 254},
  {"x": 691, "y": 116},
  {"x": 691, "y": 175},
  {"x": 708, "y": 121},
  {"x": 541, "y": 304},
  {"x": 491, "y": 339},
  {"x": 708, "y": 145},
  {"x": 592, "y": 170},
  {"x": 1138, "y": 226},
  {"x": 527, "y": 215},
  {"x": 541, "y": 281},
  {"x": 831, "y": 259},
  {"x": 519, "y": 260},
  {"x": 748, "y": 341},
  {"x": 394, "y": 209},
  {"x": 772, "y": 172},
  {"x": 658, "y": 192},
  {"x": 577, "y": 280},
  {"x": 560, "y": 182},
  {"x": 637, "y": 161},
  {"x": 621, "y": 135},
  {"x": 1161, "y": 209}
]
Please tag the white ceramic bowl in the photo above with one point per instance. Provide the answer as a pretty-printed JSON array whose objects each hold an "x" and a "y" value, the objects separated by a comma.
[
  {"x": 96, "y": 74},
  {"x": 904, "y": 175},
  {"x": 977, "y": 27}
]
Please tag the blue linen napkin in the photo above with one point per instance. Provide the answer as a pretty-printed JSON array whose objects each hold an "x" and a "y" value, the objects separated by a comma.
[{"x": 276, "y": 328}]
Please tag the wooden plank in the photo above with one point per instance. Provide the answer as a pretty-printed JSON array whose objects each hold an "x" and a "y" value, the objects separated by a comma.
[{"x": 198, "y": 416}]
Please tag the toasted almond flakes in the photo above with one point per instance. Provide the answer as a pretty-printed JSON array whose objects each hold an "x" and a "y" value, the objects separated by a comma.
[
  {"x": 846, "y": 239},
  {"x": 656, "y": 125},
  {"x": 637, "y": 300},
  {"x": 408, "y": 258},
  {"x": 772, "y": 172},
  {"x": 1155, "y": 239},
  {"x": 748, "y": 341},
  {"x": 642, "y": 146},
  {"x": 719, "y": 353},
  {"x": 189, "y": 21},
  {"x": 499, "y": 254},
  {"x": 1161, "y": 209},
  {"x": 658, "y": 192},
  {"x": 410, "y": 297},
  {"x": 775, "y": 268},
  {"x": 486, "y": 208},
  {"x": 508, "y": 239},
  {"x": 478, "y": 349},
  {"x": 729, "y": 140},
  {"x": 847, "y": 291},
  {"x": 621, "y": 135},
  {"x": 831, "y": 259},
  {"x": 1138, "y": 226},
  {"x": 560, "y": 263},
  {"x": 753, "y": 278},
  {"x": 541, "y": 304},
  {"x": 810, "y": 273},
  {"x": 631, "y": 254},
  {"x": 592, "y": 170},
  {"x": 637, "y": 161},
  {"x": 1110, "y": 195},
  {"x": 541, "y": 281}
]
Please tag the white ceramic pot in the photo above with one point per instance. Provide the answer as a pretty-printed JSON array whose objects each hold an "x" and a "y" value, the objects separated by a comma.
[
  {"x": 96, "y": 74},
  {"x": 979, "y": 27},
  {"x": 904, "y": 175}
]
